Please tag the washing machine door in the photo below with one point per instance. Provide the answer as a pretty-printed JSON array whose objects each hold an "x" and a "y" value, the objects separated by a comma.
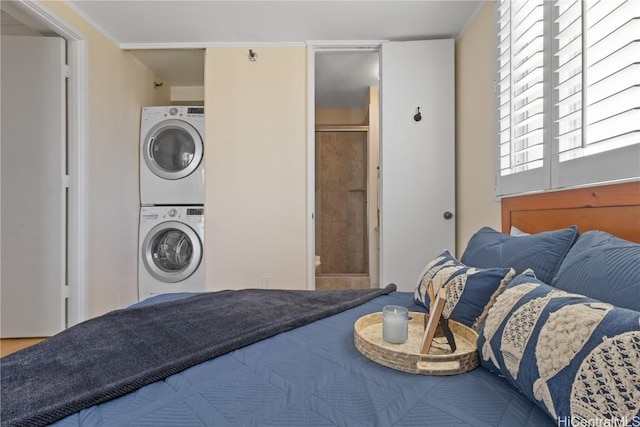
[
  {"x": 173, "y": 149},
  {"x": 171, "y": 251}
]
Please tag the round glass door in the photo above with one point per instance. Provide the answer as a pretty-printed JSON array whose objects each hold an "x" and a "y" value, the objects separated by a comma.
[
  {"x": 172, "y": 251},
  {"x": 173, "y": 149}
]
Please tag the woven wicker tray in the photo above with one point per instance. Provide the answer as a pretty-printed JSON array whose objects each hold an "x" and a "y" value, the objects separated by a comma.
[{"x": 406, "y": 357}]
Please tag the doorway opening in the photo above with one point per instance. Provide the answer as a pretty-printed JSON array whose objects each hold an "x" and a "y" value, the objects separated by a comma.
[
  {"x": 346, "y": 160},
  {"x": 34, "y": 18},
  {"x": 341, "y": 204}
]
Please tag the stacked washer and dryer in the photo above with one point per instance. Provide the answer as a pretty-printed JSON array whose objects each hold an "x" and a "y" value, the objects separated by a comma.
[{"x": 171, "y": 200}]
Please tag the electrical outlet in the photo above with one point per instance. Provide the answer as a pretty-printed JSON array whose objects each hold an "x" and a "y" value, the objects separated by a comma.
[{"x": 266, "y": 282}]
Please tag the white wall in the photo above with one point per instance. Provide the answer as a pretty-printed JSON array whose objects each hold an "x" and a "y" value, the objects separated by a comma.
[
  {"x": 475, "y": 202},
  {"x": 119, "y": 85},
  {"x": 255, "y": 162}
]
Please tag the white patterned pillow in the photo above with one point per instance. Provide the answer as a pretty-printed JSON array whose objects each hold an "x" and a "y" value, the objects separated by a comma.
[
  {"x": 576, "y": 357},
  {"x": 470, "y": 290}
]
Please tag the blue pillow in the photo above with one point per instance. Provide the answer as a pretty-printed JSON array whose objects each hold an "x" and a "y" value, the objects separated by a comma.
[
  {"x": 470, "y": 291},
  {"x": 575, "y": 357},
  {"x": 604, "y": 267},
  {"x": 542, "y": 252}
]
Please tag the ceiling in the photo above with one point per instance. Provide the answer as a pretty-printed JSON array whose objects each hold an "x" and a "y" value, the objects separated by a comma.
[
  {"x": 169, "y": 36},
  {"x": 132, "y": 23},
  {"x": 175, "y": 67},
  {"x": 342, "y": 79}
]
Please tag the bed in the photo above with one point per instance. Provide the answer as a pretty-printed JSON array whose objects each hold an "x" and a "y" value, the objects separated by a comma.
[
  {"x": 614, "y": 208},
  {"x": 312, "y": 375}
]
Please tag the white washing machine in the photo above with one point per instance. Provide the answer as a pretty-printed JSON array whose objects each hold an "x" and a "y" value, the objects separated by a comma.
[
  {"x": 171, "y": 156},
  {"x": 171, "y": 247}
]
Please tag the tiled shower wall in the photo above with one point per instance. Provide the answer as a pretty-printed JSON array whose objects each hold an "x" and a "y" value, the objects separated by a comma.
[{"x": 341, "y": 196}]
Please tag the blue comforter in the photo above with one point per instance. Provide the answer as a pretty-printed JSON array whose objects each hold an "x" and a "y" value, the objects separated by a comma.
[{"x": 314, "y": 376}]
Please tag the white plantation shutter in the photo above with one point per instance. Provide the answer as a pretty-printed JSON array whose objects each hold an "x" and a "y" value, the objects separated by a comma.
[
  {"x": 520, "y": 94},
  {"x": 503, "y": 86},
  {"x": 613, "y": 74},
  {"x": 585, "y": 128},
  {"x": 597, "y": 96},
  {"x": 569, "y": 75},
  {"x": 528, "y": 85}
]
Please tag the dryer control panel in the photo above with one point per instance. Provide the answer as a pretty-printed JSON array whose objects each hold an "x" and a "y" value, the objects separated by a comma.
[
  {"x": 195, "y": 211},
  {"x": 187, "y": 111}
]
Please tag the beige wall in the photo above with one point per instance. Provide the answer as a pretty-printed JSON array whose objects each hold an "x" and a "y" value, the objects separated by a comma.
[
  {"x": 119, "y": 85},
  {"x": 255, "y": 215},
  {"x": 475, "y": 202},
  {"x": 256, "y": 160},
  {"x": 334, "y": 116},
  {"x": 373, "y": 159}
]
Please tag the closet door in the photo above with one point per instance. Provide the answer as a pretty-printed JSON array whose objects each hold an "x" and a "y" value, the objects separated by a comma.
[
  {"x": 33, "y": 273},
  {"x": 417, "y": 165}
]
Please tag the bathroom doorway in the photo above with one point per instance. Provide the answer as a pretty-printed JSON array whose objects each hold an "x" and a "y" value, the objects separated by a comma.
[
  {"x": 341, "y": 225},
  {"x": 346, "y": 169}
]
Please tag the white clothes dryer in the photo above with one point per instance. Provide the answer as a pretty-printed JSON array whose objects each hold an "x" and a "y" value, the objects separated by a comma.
[
  {"x": 172, "y": 156},
  {"x": 171, "y": 248}
]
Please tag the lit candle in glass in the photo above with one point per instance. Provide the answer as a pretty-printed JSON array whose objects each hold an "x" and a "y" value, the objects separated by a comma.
[{"x": 395, "y": 324}]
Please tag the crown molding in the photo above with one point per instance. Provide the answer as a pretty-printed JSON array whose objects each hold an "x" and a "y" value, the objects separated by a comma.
[{"x": 91, "y": 22}]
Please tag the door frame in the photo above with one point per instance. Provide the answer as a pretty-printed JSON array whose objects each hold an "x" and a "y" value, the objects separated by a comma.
[
  {"x": 76, "y": 289},
  {"x": 314, "y": 47}
]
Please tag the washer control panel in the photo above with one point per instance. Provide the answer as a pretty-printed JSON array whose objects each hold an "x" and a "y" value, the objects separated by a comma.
[{"x": 194, "y": 214}]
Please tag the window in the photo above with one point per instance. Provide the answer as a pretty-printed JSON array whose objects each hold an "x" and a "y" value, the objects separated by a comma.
[{"x": 567, "y": 93}]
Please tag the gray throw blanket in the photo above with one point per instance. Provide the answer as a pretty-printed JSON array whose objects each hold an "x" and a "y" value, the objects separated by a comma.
[{"x": 115, "y": 354}]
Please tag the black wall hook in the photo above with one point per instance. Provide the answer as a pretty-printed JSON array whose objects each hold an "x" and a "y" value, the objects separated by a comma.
[{"x": 418, "y": 116}]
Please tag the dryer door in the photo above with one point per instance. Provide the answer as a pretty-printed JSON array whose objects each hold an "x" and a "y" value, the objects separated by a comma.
[
  {"x": 171, "y": 251},
  {"x": 173, "y": 149}
]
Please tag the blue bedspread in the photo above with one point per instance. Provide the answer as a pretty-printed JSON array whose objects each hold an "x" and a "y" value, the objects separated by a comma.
[
  {"x": 112, "y": 355},
  {"x": 314, "y": 376}
]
